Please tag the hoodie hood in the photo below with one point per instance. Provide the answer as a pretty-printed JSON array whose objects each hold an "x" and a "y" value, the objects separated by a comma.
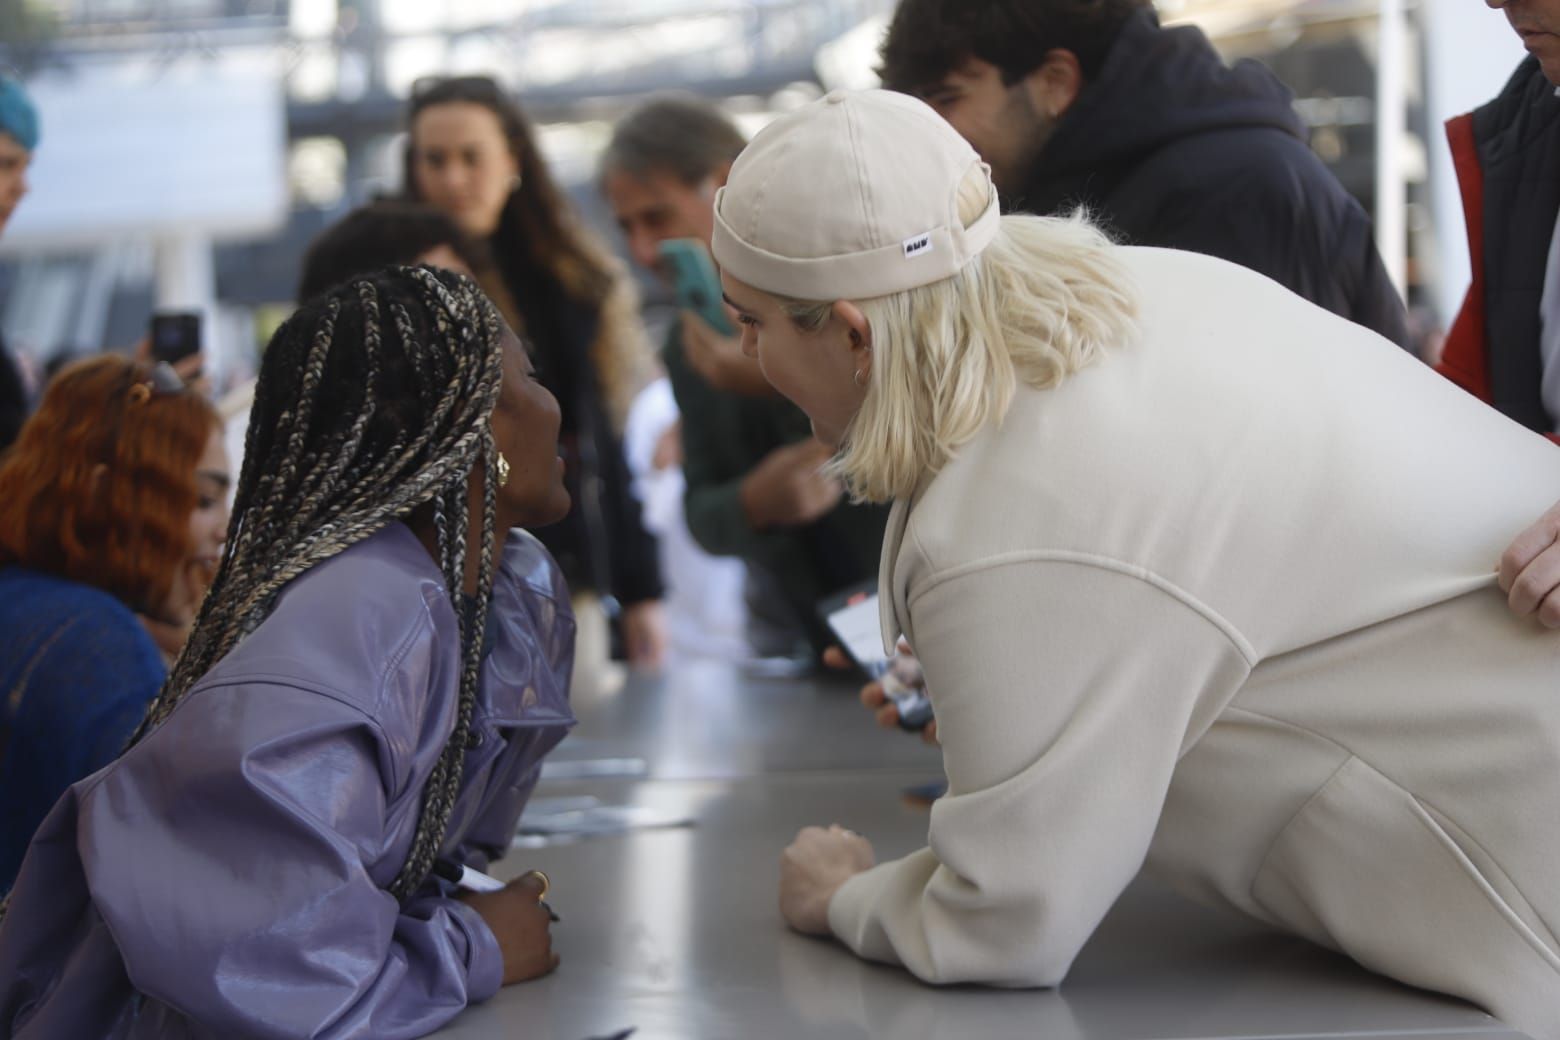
[{"x": 1156, "y": 86}]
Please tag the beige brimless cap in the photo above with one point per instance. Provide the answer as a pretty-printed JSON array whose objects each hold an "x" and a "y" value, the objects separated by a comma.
[{"x": 850, "y": 197}]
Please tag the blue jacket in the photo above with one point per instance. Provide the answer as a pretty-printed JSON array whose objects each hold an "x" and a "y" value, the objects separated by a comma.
[
  {"x": 227, "y": 876},
  {"x": 77, "y": 670}
]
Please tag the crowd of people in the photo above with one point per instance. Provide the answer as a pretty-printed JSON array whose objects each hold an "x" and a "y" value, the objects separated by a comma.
[{"x": 1064, "y": 336}]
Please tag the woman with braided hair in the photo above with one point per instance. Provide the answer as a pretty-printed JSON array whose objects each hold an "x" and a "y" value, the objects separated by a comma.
[{"x": 370, "y": 686}]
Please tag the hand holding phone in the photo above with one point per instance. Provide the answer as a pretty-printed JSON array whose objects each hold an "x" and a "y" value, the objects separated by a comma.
[
  {"x": 853, "y": 616},
  {"x": 175, "y": 335},
  {"x": 695, "y": 282},
  {"x": 904, "y": 683}
]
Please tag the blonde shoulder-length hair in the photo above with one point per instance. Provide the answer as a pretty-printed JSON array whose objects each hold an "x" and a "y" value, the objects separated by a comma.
[{"x": 1043, "y": 300}]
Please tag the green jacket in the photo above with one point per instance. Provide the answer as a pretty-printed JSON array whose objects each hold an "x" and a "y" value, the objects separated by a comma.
[{"x": 724, "y": 437}]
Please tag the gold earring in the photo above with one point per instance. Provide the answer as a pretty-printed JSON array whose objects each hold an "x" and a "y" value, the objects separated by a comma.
[{"x": 503, "y": 470}]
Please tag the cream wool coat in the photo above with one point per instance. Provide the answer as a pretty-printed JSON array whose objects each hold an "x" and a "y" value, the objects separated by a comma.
[{"x": 1225, "y": 601}]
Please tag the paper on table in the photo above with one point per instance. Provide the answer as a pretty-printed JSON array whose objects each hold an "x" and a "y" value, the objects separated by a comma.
[
  {"x": 544, "y": 828},
  {"x": 590, "y": 768}
]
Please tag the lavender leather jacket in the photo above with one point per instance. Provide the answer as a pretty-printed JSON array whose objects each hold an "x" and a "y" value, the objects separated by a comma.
[{"x": 227, "y": 876}]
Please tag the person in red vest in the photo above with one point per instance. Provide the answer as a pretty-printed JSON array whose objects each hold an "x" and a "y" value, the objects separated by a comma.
[{"x": 1504, "y": 345}]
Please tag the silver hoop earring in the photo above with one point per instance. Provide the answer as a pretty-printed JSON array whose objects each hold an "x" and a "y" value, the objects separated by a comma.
[{"x": 860, "y": 379}]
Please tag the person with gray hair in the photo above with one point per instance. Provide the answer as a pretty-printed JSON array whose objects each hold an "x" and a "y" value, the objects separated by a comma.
[
  {"x": 1199, "y": 573},
  {"x": 754, "y": 489}
]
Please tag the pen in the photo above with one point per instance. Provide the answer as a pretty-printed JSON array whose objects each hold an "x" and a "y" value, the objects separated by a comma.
[{"x": 463, "y": 876}]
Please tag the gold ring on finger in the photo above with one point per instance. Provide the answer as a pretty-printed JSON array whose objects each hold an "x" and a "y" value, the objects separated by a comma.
[{"x": 542, "y": 877}]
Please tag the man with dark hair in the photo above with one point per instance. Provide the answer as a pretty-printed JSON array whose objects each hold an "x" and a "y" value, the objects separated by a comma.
[
  {"x": 1094, "y": 104},
  {"x": 382, "y": 233},
  {"x": 751, "y": 465},
  {"x": 18, "y": 139}
]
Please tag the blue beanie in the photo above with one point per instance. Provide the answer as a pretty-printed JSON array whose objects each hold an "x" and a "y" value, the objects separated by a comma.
[{"x": 18, "y": 117}]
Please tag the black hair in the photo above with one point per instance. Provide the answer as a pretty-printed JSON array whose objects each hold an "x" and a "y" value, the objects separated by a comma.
[
  {"x": 929, "y": 38},
  {"x": 384, "y": 232},
  {"x": 679, "y": 134},
  {"x": 374, "y": 401}
]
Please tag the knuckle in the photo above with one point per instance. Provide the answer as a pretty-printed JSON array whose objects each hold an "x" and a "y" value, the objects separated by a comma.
[{"x": 1527, "y": 590}]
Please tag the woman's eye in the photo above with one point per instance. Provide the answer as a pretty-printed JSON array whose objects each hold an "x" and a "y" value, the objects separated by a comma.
[
  {"x": 207, "y": 502},
  {"x": 747, "y": 319}
]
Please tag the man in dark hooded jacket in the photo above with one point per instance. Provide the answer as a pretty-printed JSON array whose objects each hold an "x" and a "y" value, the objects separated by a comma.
[{"x": 1096, "y": 105}]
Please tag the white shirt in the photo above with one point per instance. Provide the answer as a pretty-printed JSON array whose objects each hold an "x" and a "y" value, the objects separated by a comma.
[{"x": 1225, "y": 600}]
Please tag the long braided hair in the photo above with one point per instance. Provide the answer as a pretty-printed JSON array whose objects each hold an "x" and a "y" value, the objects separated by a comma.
[{"x": 373, "y": 400}]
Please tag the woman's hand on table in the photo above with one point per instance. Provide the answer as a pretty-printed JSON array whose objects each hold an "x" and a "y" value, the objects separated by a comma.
[
  {"x": 1530, "y": 570},
  {"x": 521, "y": 924},
  {"x": 812, "y": 869}
]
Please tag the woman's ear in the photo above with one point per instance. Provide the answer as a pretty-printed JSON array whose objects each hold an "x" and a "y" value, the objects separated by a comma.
[
  {"x": 858, "y": 330},
  {"x": 858, "y": 334}
]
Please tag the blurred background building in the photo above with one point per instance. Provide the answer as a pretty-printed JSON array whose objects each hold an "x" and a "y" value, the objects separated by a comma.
[{"x": 192, "y": 147}]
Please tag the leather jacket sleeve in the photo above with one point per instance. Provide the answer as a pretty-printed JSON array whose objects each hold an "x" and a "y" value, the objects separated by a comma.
[{"x": 240, "y": 857}]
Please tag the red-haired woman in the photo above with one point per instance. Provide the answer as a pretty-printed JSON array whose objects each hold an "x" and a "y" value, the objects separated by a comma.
[{"x": 113, "y": 510}]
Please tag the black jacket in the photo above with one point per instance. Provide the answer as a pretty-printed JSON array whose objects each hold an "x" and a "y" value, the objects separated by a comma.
[
  {"x": 1508, "y": 158},
  {"x": 13, "y": 399},
  {"x": 602, "y": 543},
  {"x": 1168, "y": 146}
]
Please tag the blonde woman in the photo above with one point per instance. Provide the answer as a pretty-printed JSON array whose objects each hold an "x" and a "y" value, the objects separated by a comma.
[{"x": 1200, "y": 575}]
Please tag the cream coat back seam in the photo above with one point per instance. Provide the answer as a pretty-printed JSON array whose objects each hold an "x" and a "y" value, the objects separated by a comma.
[{"x": 1213, "y": 617}]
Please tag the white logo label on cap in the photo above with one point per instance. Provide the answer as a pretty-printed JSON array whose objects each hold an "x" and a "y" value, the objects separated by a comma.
[{"x": 920, "y": 245}]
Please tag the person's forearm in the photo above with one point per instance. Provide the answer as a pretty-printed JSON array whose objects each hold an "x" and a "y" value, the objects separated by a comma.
[{"x": 719, "y": 522}]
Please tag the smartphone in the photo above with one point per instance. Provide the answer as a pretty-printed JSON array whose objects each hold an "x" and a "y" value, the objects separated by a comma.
[
  {"x": 853, "y": 617},
  {"x": 695, "y": 282},
  {"x": 175, "y": 335}
]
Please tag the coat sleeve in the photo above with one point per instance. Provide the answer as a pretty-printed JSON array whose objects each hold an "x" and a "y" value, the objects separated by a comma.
[
  {"x": 1064, "y": 694},
  {"x": 712, "y": 503},
  {"x": 238, "y": 856},
  {"x": 488, "y": 839}
]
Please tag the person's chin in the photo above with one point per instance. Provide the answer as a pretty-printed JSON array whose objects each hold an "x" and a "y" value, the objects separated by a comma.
[
  {"x": 556, "y": 509},
  {"x": 1549, "y": 64},
  {"x": 474, "y": 224}
]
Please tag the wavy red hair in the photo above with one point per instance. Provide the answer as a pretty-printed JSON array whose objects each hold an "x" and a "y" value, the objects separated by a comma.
[{"x": 100, "y": 484}]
